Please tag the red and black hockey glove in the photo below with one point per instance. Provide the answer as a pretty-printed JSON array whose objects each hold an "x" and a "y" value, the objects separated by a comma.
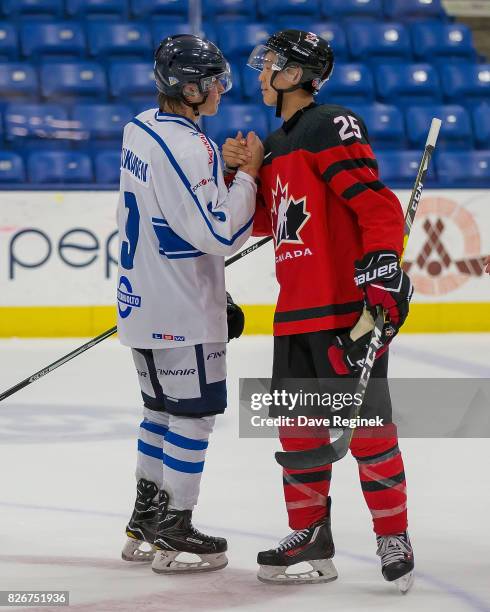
[
  {"x": 386, "y": 285},
  {"x": 236, "y": 318}
]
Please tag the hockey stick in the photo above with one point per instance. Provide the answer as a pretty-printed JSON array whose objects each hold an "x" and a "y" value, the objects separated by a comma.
[
  {"x": 329, "y": 453},
  {"x": 106, "y": 334}
]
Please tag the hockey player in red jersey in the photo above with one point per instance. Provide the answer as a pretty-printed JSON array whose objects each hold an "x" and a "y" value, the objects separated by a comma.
[{"x": 338, "y": 233}]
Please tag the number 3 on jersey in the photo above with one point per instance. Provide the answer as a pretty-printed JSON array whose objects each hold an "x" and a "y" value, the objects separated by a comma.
[
  {"x": 349, "y": 127},
  {"x": 128, "y": 247}
]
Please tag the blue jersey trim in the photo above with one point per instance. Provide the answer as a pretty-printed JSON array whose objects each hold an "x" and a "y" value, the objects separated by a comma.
[
  {"x": 189, "y": 467},
  {"x": 187, "y": 185},
  {"x": 177, "y": 119},
  {"x": 161, "y": 430},
  {"x": 187, "y": 443}
]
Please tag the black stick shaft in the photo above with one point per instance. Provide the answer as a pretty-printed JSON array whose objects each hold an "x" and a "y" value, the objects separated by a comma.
[{"x": 106, "y": 334}]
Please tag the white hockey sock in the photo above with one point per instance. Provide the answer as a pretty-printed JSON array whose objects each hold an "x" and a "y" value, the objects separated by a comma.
[
  {"x": 184, "y": 451},
  {"x": 153, "y": 428}
]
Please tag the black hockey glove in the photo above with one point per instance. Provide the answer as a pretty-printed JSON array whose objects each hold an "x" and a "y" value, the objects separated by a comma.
[
  {"x": 236, "y": 318},
  {"x": 385, "y": 284}
]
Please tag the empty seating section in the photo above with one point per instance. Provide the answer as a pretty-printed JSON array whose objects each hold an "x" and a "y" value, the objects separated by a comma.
[{"x": 74, "y": 72}]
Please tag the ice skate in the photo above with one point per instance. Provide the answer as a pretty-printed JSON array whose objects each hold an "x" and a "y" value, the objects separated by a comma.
[
  {"x": 176, "y": 535},
  {"x": 397, "y": 560},
  {"x": 313, "y": 545},
  {"x": 142, "y": 525}
]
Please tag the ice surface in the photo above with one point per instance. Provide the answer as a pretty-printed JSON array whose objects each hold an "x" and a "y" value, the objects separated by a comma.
[{"x": 67, "y": 454}]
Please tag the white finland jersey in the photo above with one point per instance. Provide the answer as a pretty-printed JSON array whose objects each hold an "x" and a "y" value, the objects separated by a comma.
[{"x": 177, "y": 220}]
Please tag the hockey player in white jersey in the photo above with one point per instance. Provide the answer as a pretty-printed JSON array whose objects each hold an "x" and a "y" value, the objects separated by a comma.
[{"x": 177, "y": 220}]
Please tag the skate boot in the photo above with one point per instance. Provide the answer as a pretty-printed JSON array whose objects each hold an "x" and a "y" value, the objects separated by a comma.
[
  {"x": 397, "y": 561},
  {"x": 313, "y": 545},
  {"x": 142, "y": 525},
  {"x": 176, "y": 535}
]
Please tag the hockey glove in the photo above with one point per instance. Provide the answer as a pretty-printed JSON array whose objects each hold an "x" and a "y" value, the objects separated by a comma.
[
  {"x": 236, "y": 318},
  {"x": 384, "y": 284}
]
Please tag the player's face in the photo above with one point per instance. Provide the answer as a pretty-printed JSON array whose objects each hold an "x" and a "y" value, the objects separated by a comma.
[
  {"x": 283, "y": 79},
  {"x": 269, "y": 95},
  {"x": 210, "y": 107}
]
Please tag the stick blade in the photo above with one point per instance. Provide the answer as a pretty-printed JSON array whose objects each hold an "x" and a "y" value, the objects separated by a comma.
[{"x": 315, "y": 457}]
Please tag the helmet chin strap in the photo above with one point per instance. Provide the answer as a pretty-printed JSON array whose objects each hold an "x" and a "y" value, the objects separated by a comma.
[{"x": 281, "y": 92}]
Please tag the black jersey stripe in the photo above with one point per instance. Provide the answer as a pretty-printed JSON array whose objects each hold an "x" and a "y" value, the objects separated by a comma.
[
  {"x": 384, "y": 483},
  {"x": 317, "y": 312},
  {"x": 359, "y": 188},
  {"x": 349, "y": 164}
]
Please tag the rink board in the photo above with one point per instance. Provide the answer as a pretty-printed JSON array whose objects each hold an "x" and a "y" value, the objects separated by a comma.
[{"x": 58, "y": 265}]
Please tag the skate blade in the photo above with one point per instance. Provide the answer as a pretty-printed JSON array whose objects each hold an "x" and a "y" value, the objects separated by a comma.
[
  {"x": 165, "y": 562},
  {"x": 323, "y": 570},
  {"x": 133, "y": 553},
  {"x": 405, "y": 583}
]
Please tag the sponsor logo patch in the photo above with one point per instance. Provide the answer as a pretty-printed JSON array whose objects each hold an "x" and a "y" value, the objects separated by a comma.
[{"x": 164, "y": 336}]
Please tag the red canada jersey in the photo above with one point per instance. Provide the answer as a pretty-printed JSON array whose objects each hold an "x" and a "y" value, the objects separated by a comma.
[{"x": 321, "y": 199}]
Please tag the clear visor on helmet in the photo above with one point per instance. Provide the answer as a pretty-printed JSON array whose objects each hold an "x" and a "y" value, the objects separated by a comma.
[
  {"x": 222, "y": 81},
  {"x": 264, "y": 57}
]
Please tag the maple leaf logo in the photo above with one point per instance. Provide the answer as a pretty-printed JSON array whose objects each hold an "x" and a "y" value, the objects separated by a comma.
[{"x": 289, "y": 215}]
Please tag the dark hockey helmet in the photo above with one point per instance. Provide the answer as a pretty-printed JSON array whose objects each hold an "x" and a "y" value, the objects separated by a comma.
[
  {"x": 185, "y": 59},
  {"x": 296, "y": 48}
]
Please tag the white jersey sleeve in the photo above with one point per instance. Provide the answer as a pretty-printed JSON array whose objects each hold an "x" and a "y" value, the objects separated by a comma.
[{"x": 212, "y": 218}]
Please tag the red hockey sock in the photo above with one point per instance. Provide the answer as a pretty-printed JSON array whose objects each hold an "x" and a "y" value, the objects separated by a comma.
[
  {"x": 382, "y": 479},
  {"x": 306, "y": 491}
]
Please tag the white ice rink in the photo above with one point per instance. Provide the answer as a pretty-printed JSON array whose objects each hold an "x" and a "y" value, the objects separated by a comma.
[{"x": 67, "y": 455}]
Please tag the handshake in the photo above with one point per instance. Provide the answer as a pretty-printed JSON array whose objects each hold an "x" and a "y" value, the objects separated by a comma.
[{"x": 244, "y": 153}]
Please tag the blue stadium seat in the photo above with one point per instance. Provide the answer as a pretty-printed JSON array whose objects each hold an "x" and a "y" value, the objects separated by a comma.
[
  {"x": 349, "y": 84},
  {"x": 132, "y": 79},
  {"x": 338, "y": 9},
  {"x": 144, "y": 104},
  {"x": 270, "y": 8},
  {"x": 108, "y": 167},
  {"x": 234, "y": 117},
  {"x": 32, "y": 7},
  {"x": 238, "y": 39},
  {"x": 414, "y": 9},
  {"x": 162, "y": 28},
  {"x": 8, "y": 41},
  {"x": 481, "y": 125},
  {"x": 250, "y": 86},
  {"x": 229, "y": 7},
  {"x": 401, "y": 167},
  {"x": 107, "y": 38},
  {"x": 379, "y": 41},
  {"x": 73, "y": 79},
  {"x": 18, "y": 79},
  {"x": 456, "y": 132},
  {"x": 146, "y": 8},
  {"x": 435, "y": 40},
  {"x": 11, "y": 168},
  {"x": 27, "y": 124},
  {"x": 407, "y": 84},
  {"x": 468, "y": 83},
  {"x": 45, "y": 38},
  {"x": 469, "y": 168},
  {"x": 80, "y": 8},
  {"x": 59, "y": 167},
  {"x": 385, "y": 124},
  {"x": 102, "y": 121}
]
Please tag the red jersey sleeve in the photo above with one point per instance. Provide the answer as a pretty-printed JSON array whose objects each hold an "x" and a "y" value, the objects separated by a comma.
[{"x": 347, "y": 163}]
